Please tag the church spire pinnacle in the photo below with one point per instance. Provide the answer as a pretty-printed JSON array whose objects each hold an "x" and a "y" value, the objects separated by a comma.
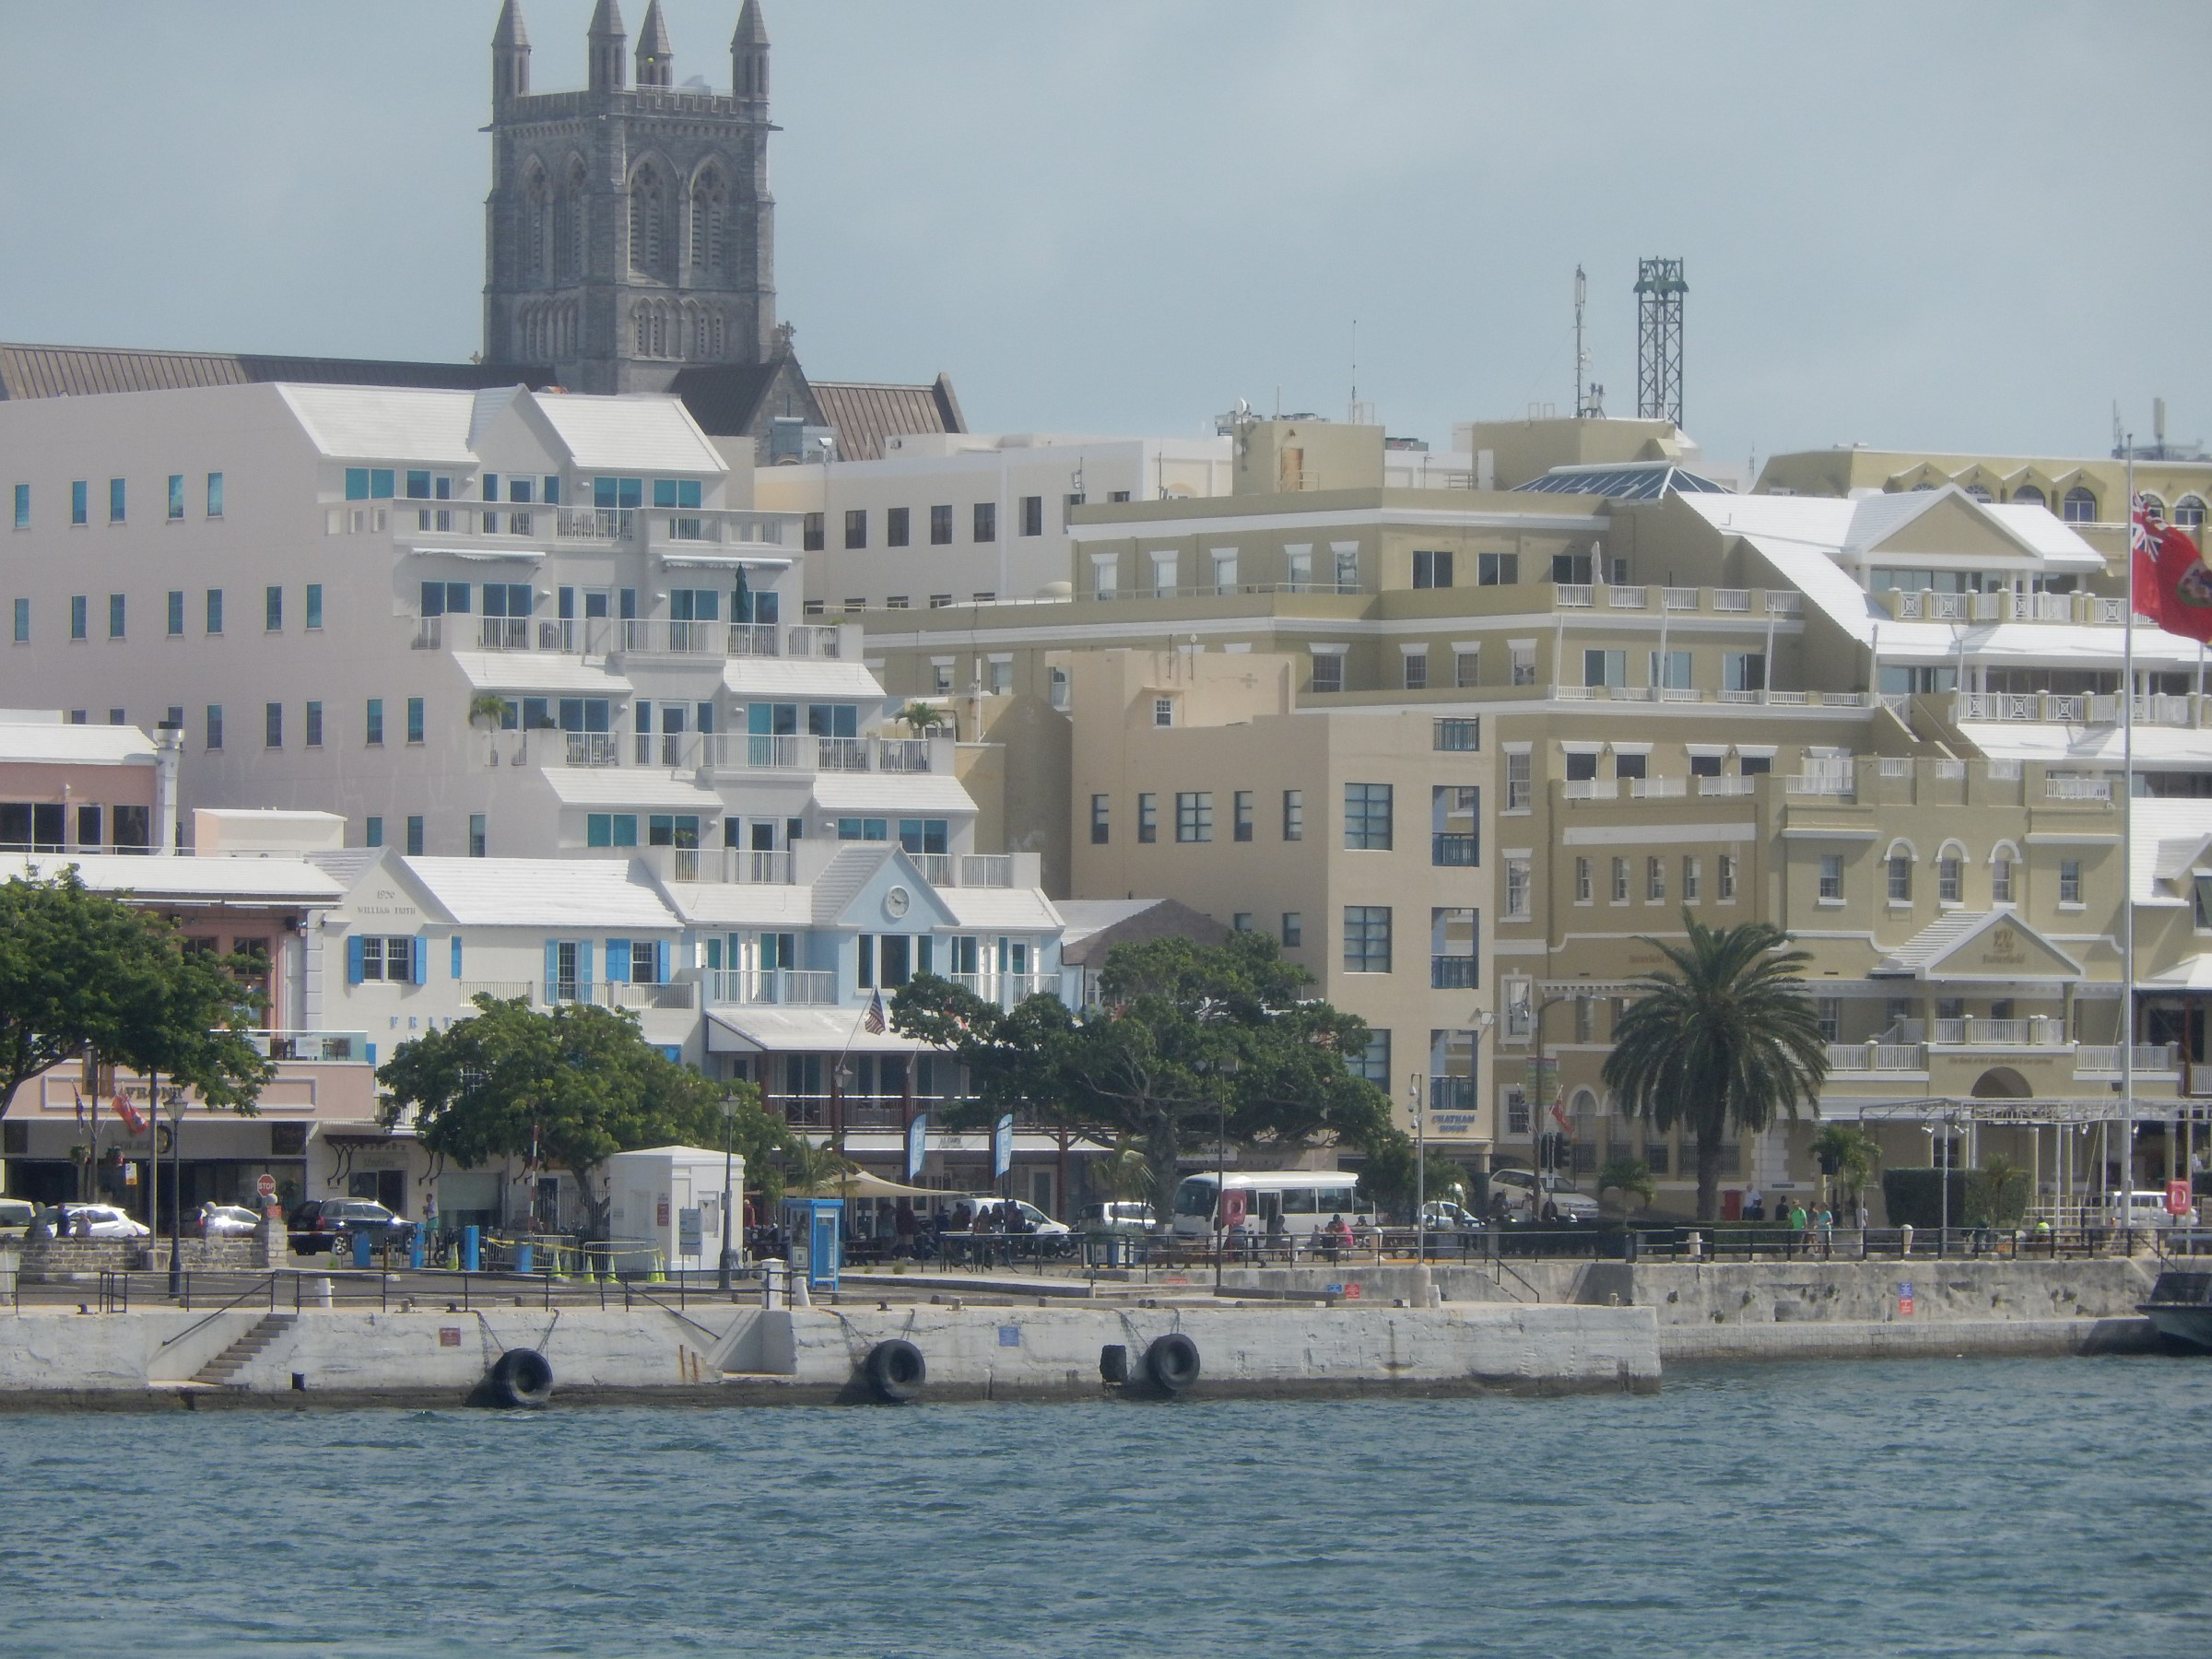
[
  {"x": 749, "y": 55},
  {"x": 604, "y": 44},
  {"x": 656, "y": 57},
  {"x": 509, "y": 54}
]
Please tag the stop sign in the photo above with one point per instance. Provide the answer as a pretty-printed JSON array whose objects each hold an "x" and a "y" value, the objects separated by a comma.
[{"x": 266, "y": 1186}]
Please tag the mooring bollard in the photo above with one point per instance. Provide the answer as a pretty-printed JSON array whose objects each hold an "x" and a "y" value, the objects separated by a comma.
[
  {"x": 1904, "y": 1236},
  {"x": 1694, "y": 1246}
]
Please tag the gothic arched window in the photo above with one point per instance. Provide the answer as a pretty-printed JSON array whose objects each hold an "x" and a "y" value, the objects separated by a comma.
[
  {"x": 648, "y": 223},
  {"x": 537, "y": 226},
  {"x": 707, "y": 200},
  {"x": 567, "y": 224}
]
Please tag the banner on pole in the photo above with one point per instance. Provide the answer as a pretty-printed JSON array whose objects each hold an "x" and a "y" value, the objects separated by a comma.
[
  {"x": 917, "y": 1145},
  {"x": 1002, "y": 1147}
]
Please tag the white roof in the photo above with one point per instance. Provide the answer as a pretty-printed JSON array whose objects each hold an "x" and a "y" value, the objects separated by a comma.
[
  {"x": 800, "y": 677},
  {"x": 205, "y": 880},
  {"x": 42, "y": 741},
  {"x": 647, "y": 433},
  {"x": 628, "y": 786},
  {"x": 542, "y": 892},
  {"x": 2158, "y": 820},
  {"x": 2157, "y": 749},
  {"x": 742, "y": 904},
  {"x": 999, "y": 907},
  {"x": 800, "y": 1031},
  {"x": 535, "y": 671},
  {"x": 386, "y": 423},
  {"x": 1082, "y": 917},
  {"x": 2061, "y": 643},
  {"x": 2191, "y": 974},
  {"x": 890, "y": 792}
]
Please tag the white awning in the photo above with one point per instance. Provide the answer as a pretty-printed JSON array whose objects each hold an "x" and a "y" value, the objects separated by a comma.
[
  {"x": 801, "y": 1032},
  {"x": 483, "y": 554},
  {"x": 727, "y": 561}
]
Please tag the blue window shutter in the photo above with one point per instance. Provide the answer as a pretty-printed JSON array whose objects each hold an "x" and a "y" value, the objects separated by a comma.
[
  {"x": 584, "y": 969},
  {"x": 372, "y": 1056},
  {"x": 552, "y": 966},
  {"x": 355, "y": 946},
  {"x": 422, "y": 960},
  {"x": 617, "y": 961},
  {"x": 456, "y": 956},
  {"x": 660, "y": 962}
]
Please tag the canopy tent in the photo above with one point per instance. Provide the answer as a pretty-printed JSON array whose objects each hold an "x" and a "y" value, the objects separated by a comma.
[{"x": 861, "y": 1184}]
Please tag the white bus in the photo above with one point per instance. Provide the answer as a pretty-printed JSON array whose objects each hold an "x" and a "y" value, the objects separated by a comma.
[{"x": 1293, "y": 1203}]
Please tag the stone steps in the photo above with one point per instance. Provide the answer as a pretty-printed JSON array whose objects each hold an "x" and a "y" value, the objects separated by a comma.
[{"x": 232, "y": 1359}]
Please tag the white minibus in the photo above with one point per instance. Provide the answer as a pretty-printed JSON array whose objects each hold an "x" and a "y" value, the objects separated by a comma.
[{"x": 1295, "y": 1203}]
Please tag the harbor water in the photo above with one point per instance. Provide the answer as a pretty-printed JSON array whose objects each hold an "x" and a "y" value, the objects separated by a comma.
[{"x": 1966, "y": 1507}]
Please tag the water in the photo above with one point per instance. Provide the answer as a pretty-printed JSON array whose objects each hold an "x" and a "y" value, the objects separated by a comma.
[{"x": 2048, "y": 1507}]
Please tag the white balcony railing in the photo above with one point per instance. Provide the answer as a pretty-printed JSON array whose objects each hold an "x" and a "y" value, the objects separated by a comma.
[
  {"x": 591, "y": 749},
  {"x": 1572, "y": 595},
  {"x": 1726, "y": 786},
  {"x": 789, "y": 751},
  {"x": 986, "y": 870},
  {"x": 1731, "y": 599},
  {"x": 2061, "y": 788},
  {"x": 2036, "y": 1032},
  {"x": 1592, "y": 789},
  {"x": 321, "y": 1047},
  {"x": 1628, "y": 598},
  {"x": 1876, "y": 1057},
  {"x": 1007, "y": 990},
  {"x": 772, "y": 988},
  {"x": 1657, "y": 789},
  {"x": 1678, "y": 599}
]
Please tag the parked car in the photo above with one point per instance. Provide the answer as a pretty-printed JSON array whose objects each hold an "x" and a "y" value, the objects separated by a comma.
[
  {"x": 323, "y": 1223},
  {"x": 95, "y": 1222},
  {"x": 1511, "y": 1195},
  {"x": 226, "y": 1221},
  {"x": 1446, "y": 1219},
  {"x": 1118, "y": 1217},
  {"x": 16, "y": 1216}
]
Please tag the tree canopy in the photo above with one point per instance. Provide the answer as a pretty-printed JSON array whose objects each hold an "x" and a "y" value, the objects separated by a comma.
[
  {"x": 80, "y": 970},
  {"x": 1723, "y": 1040},
  {"x": 568, "y": 1086},
  {"x": 1188, "y": 1040}
]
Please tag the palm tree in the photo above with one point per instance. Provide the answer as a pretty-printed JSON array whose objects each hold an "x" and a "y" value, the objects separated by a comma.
[
  {"x": 1726, "y": 1039},
  {"x": 1851, "y": 1155}
]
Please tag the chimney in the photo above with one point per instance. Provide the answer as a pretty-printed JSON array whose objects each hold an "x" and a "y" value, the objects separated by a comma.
[{"x": 168, "y": 744}]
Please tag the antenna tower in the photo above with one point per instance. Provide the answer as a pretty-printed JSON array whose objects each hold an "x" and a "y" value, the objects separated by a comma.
[
  {"x": 1589, "y": 397},
  {"x": 1659, "y": 291}
]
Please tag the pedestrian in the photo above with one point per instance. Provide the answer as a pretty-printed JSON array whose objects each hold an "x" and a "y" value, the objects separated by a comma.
[
  {"x": 1754, "y": 1206},
  {"x": 1798, "y": 1222},
  {"x": 1826, "y": 1222}
]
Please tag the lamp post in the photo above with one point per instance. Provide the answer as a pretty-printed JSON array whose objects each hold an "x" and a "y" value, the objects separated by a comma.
[
  {"x": 1535, "y": 1107},
  {"x": 729, "y": 1119},
  {"x": 174, "y": 1097},
  {"x": 1420, "y": 1170}
]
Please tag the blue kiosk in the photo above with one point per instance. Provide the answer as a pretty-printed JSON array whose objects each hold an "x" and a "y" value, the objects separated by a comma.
[{"x": 816, "y": 1227}]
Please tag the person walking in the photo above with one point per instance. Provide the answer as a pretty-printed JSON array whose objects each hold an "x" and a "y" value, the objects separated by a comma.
[
  {"x": 1826, "y": 1222},
  {"x": 1799, "y": 1220}
]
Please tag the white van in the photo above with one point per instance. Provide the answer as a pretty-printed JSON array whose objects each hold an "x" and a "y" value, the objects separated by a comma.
[
  {"x": 2140, "y": 1210},
  {"x": 1295, "y": 1203}
]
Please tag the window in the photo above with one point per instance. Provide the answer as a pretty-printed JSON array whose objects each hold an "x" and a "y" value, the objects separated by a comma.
[
  {"x": 2079, "y": 506},
  {"x": 1607, "y": 668},
  {"x": 1831, "y": 877},
  {"x": 1432, "y": 570},
  {"x": 1100, "y": 819},
  {"x": 925, "y": 835},
  {"x": 415, "y": 720},
  {"x": 215, "y": 726},
  {"x": 312, "y": 732},
  {"x": 1654, "y": 880},
  {"x": 372, "y": 832},
  {"x": 2069, "y": 881},
  {"x": 1518, "y": 780},
  {"x": 1242, "y": 808},
  {"x": 1950, "y": 877},
  {"x": 1294, "y": 929},
  {"x": 1000, "y": 678},
  {"x": 1693, "y": 878},
  {"x": 375, "y": 736},
  {"x": 375, "y": 484},
  {"x": 1165, "y": 573},
  {"x": 271, "y": 609},
  {"x": 176, "y": 613},
  {"x": 863, "y": 830},
  {"x": 1163, "y": 710},
  {"x": 895, "y": 531},
  {"x": 1705, "y": 766},
  {"x": 1456, "y": 736},
  {"x": 1523, "y": 664},
  {"x": 610, "y": 830},
  {"x": 1725, "y": 867},
  {"x": 79, "y": 613},
  {"x": 1754, "y": 766},
  {"x": 1670, "y": 670},
  {"x": 1298, "y": 567},
  {"x": 1828, "y": 1010},
  {"x": 986, "y": 520},
  {"x": 415, "y": 840},
  {"x": 940, "y": 526},
  {"x": 1344, "y": 559},
  {"x": 1367, "y": 814},
  {"x": 215, "y": 610},
  {"x": 1497, "y": 570},
  {"x": 1224, "y": 570},
  {"x": 1367, "y": 938},
  {"x": 1147, "y": 818},
  {"x": 176, "y": 496},
  {"x": 1195, "y": 816},
  {"x": 1454, "y": 826},
  {"x": 1452, "y": 959},
  {"x": 1631, "y": 766},
  {"x": 1466, "y": 666},
  {"x": 1620, "y": 881},
  {"x": 1058, "y": 692},
  {"x": 272, "y": 726},
  {"x": 1294, "y": 815},
  {"x": 115, "y": 495},
  {"x": 2000, "y": 879},
  {"x": 1581, "y": 881},
  {"x": 856, "y": 527},
  {"x": 22, "y": 506},
  {"x": 1744, "y": 671},
  {"x": 22, "y": 621},
  {"x": 1241, "y": 922},
  {"x": 1517, "y": 890},
  {"x": 115, "y": 616},
  {"x": 215, "y": 495},
  {"x": 2189, "y": 513},
  {"x": 1416, "y": 669},
  {"x": 810, "y": 532},
  {"x": 1373, "y": 1062},
  {"x": 314, "y": 606},
  {"x": 1581, "y": 766},
  {"x": 1328, "y": 671},
  {"x": 79, "y": 509},
  {"x": 1105, "y": 575},
  {"x": 1901, "y": 878},
  {"x": 1032, "y": 515},
  {"x": 390, "y": 959}
]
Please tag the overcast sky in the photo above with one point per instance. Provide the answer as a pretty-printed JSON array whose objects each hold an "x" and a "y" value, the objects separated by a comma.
[{"x": 1970, "y": 227}]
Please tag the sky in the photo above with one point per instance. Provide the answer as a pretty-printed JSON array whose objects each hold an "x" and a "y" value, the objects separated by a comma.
[{"x": 1962, "y": 226}]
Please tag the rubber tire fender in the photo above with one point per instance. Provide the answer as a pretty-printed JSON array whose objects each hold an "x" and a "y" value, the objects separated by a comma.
[
  {"x": 521, "y": 1379},
  {"x": 896, "y": 1371},
  {"x": 1171, "y": 1361}
]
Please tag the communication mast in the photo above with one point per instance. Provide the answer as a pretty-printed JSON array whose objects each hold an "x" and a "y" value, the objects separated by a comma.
[
  {"x": 1589, "y": 397},
  {"x": 1659, "y": 291}
]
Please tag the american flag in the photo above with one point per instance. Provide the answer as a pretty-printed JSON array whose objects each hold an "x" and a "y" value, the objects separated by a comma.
[{"x": 873, "y": 1021}]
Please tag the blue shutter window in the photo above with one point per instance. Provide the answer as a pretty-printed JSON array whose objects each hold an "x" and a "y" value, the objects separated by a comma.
[
  {"x": 617, "y": 961},
  {"x": 673, "y": 1053},
  {"x": 660, "y": 962},
  {"x": 422, "y": 961},
  {"x": 584, "y": 971},
  {"x": 552, "y": 969},
  {"x": 456, "y": 956},
  {"x": 354, "y": 947}
]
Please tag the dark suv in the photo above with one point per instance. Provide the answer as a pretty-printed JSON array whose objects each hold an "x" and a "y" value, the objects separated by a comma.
[{"x": 322, "y": 1224}]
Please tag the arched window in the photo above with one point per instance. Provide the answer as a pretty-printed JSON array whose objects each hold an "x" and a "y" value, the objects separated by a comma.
[
  {"x": 2154, "y": 506},
  {"x": 1898, "y": 865},
  {"x": 2189, "y": 512},
  {"x": 1923, "y": 484},
  {"x": 538, "y": 226},
  {"x": 648, "y": 223},
  {"x": 2027, "y": 495},
  {"x": 1979, "y": 493},
  {"x": 567, "y": 224},
  {"x": 707, "y": 199},
  {"x": 2001, "y": 863},
  {"x": 2080, "y": 505},
  {"x": 1950, "y": 874}
]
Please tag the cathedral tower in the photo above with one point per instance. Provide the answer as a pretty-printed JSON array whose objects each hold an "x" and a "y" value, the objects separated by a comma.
[{"x": 629, "y": 234}]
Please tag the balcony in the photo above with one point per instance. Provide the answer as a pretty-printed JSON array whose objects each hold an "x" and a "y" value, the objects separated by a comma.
[
  {"x": 2090, "y": 610},
  {"x": 772, "y": 988},
  {"x": 501, "y": 990},
  {"x": 2150, "y": 1059},
  {"x": 2036, "y": 1032},
  {"x": 1453, "y": 1094},
  {"x": 622, "y": 994},
  {"x": 1453, "y": 974},
  {"x": 323, "y": 1048},
  {"x": 1007, "y": 990},
  {"x": 590, "y": 749},
  {"x": 1727, "y": 786},
  {"x": 1454, "y": 851},
  {"x": 1657, "y": 789},
  {"x": 1878, "y": 1057},
  {"x": 733, "y": 866},
  {"x": 417, "y": 521},
  {"x": 791, "y": 751}
]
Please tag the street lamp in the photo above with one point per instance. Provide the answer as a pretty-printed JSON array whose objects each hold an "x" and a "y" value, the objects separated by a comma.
[
  {"x": 729, "y": 1120},
  {"x": 1420, "y": 1170},
  {"x": 1535, "y": 1106},
  {"x": 173, "y": 1098}
]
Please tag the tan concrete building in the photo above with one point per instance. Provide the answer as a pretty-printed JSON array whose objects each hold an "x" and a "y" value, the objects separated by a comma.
[{"x": 2089, "y": 491}]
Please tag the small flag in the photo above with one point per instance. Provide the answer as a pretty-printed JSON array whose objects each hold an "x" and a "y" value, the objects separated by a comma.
[
  {"x": 128, "y": 1112},
  {"x": 873, "y": 1022},
  {"x": 1559, "y": 1116}
]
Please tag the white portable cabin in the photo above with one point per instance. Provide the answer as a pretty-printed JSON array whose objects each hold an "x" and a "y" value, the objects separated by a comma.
[{"x": 665, "y": 1208}]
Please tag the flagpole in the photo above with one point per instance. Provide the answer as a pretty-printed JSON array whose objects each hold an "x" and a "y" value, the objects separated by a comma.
[{"x": 2127, "y": 845}]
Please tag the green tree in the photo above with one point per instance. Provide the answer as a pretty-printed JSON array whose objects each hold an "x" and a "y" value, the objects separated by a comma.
[
  {"x": 1631, "y": 1178},
  {"x": 1722, "y": 1040},
  {"x": 1852, "y": 1154},
  {"x": 1190, "y": 1041},
  {"x": 1996, "y": 1194},
  {"x": 568, "y": 1086},
  {"x": 1387, "y": 1176},
  {"x": 79, "y": 971}
]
